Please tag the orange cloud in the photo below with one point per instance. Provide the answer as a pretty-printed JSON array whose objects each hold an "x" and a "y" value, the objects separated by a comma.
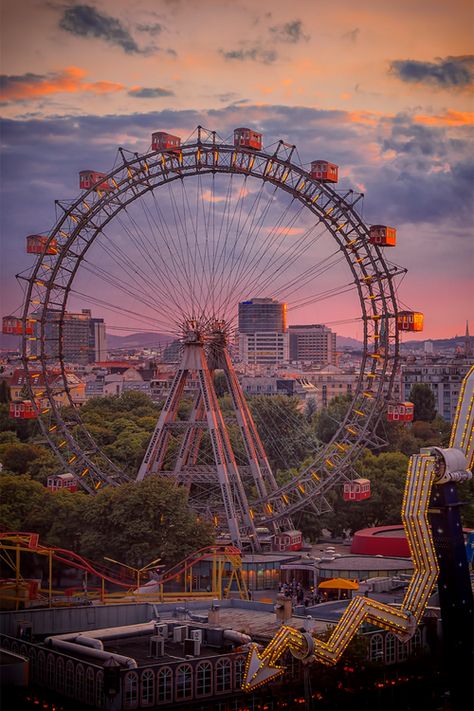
[
  {"x": 69, "y": 81},
  {"x": 449, "y": 118}
]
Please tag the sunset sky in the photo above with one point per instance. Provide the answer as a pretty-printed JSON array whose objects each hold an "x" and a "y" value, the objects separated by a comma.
[{"x": 383, "y": 89}]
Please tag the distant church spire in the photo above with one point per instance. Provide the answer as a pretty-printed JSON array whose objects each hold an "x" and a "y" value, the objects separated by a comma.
[{"x": 467, "y": 342}]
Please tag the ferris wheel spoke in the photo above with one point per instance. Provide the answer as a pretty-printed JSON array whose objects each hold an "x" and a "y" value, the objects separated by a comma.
[{"x": 125, "y": 263}]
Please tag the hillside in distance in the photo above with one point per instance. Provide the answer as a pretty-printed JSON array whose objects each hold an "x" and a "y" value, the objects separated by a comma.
[{"x": 139, "y": 340}]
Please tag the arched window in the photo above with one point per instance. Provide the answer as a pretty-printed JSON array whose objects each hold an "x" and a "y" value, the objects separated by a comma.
[
  {"x": 390, "y": 649},
  {"x": 69, "y": 679},
  {"x": 23, "y": 650},
  {"x": 6, "y": 643},
  {"x": 131, "y": 690},
  {"x": 90, "y": 683},
  {"x": 32, "y": 654},
  {"x": 147, "y": 688},
  {"x": 79, "y": 690},
  {"x": 416, "y": 642},
  {"x": 403, "y": 650},
  {"x": 204, "y": 679},
  {"x": 51, "y": 671},
  {"x": 15, "y": 647},
  {"x": 99, "y": 690},
  {"x": 60, "y": 674},
  {"x": 223, "y": 675},
  {"x": 184, "y": 682},
  {"x": 376, "y": 648},
  {"x": 164, "y": 685},
  {"x": 41, "y": 667},
  {"x": 239, "y": 670}
]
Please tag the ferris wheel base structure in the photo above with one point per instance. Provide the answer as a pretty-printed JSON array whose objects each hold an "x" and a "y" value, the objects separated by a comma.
[{"x": 237, "y": 497}]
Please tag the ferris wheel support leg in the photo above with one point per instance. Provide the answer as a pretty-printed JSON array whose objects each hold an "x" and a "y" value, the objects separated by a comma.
[
  {"x": 189, "y": 448},
  {"x": 223, "y": 451},
  {"x": 157, "y": 447}
]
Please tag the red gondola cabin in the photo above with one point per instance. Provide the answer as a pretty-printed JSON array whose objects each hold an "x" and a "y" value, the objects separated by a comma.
[
  {"x": 288, "y": 541},
  {"x": 357, "y": 490},
  {"x": 400, "y": 412},
  {"x": 324, "y": 171},
  {"x": 161, "y": 141},
  {"x": 13, "y": 326},
  {"x": 58, "y": 482},
  {"x": 410, "y": 321},
  {"x": 246, "y": 138},
  {"x": 383, "y": 236},
  {"x": 38, "y": 244},
  {"x": 92, "y": 179},
  {"x": 22, "y": 410}
]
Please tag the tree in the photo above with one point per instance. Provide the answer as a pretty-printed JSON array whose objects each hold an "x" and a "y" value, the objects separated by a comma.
[
  {"x": 329, "y": 419},
  {"x": 138, "y": 522},
  {"x": 423, "y": 398},
  {"x": 19, "y": 495},
  {"x": 18, "y": 457},
  {"x": 5, "y": 396},
  {"x": 387, "y": 474}
]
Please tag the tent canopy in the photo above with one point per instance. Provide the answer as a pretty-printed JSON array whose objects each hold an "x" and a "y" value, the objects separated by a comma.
[{"x": 339, "y": 584}]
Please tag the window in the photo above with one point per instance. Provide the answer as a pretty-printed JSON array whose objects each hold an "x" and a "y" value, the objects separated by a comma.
[
  {"x": 41, "y": 667},
  {"x": 376, "y": 648},
  {"x": 69, "y": 679},
  {"x": 390, "y": 649},
  {"x": 131, "y": 690},
  {"x": 416, "y": 644},
  {"x": 90, "y": 682},
  {"x": 147, "y": 688},
  {"x": 164, "y": 685},
  {"x": 32, "y": 655},
  {"x": 99, "y": 690},
  {"x": 51, "y": 671},
  {"x": 403, "y": 651},
  {"x": 60, "y": 674},
  {"x": 204, "y": 679},
  {"x": 184, "y": 682},
  {"x": 223, "y": 675},
  {"x": 79, "y": 691},
  {"x": 239, "y": 669}
]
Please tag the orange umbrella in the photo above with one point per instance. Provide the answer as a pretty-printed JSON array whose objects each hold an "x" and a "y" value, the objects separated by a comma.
[{"x": 339, "y": 584}]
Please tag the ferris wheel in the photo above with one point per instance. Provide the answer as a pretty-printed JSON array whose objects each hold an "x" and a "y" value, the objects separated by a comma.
[{"x": 172, "y": 241}]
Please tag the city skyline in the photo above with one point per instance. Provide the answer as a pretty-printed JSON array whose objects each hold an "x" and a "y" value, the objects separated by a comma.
[{"x": 349, "y": 86}]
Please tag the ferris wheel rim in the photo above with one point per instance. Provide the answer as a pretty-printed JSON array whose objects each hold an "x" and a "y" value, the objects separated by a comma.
[{"x": 135, "y": 178}]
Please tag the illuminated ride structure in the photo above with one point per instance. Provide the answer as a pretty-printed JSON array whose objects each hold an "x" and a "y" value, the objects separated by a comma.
[
  {"x": 182, "y": 234},
  {"x": 431, "y": 520},
  {"x": 224, "y": 564}
]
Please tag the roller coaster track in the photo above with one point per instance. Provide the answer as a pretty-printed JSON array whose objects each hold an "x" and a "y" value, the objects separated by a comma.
[{"x": 29, "y": 542}]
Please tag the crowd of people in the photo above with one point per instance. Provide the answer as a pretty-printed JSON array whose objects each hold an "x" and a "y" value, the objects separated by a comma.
[{"x": 300, "y": 595}]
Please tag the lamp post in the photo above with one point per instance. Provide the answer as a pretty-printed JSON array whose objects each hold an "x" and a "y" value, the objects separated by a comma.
[{"x": 137, "y": 571}]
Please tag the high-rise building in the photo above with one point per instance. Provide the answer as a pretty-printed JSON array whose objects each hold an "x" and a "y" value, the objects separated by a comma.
[
  {"x": 262, "y": 314},
  {"x": 312, "y": 343},
  {"x": 263, "y": 337},
  {"x": 83, "y": 337}
]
